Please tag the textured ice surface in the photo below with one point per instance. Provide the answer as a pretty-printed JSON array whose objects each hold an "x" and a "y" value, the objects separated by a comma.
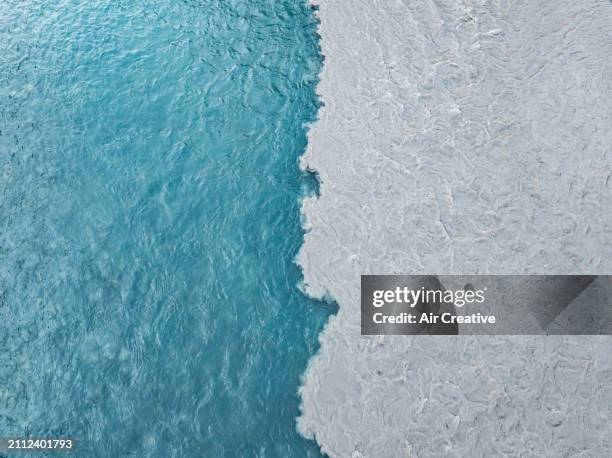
[{"x": 459, "y": 137}]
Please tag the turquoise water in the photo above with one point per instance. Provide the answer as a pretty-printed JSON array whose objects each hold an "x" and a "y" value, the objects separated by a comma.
[{"x": 149, "y": 221}]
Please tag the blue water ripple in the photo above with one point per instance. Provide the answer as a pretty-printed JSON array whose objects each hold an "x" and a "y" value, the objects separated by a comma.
[{"x": 149, "y": 221}]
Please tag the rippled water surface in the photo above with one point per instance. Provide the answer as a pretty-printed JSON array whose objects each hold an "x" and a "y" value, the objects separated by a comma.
[{"x": 149, "y": 219}]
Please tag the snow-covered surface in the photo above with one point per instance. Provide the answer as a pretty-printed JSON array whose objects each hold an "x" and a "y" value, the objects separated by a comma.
[{"x": 459, "y": 137}]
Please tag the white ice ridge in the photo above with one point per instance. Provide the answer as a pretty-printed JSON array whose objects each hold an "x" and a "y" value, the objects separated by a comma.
[{"x": 459, "y": 137}]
